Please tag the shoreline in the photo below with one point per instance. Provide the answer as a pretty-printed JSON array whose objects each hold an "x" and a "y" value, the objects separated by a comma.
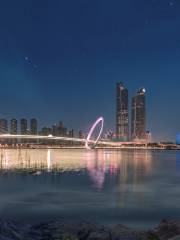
[
  {"x": 58, "y": 230},
  {"x": 83, "y": 148}
]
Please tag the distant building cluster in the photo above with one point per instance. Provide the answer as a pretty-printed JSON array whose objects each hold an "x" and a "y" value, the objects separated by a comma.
[
  {"x": 32, "y": 129},
  {"x": 138, "y": 115},
  {"x": 57, "y": 130},
  {"x": 25, "y": 127}
]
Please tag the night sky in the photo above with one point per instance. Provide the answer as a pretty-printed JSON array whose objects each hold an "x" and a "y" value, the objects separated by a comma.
[{"x": 61, "y": 59}]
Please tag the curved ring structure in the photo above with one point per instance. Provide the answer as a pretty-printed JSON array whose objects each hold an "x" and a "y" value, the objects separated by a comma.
[{"x": 99, "y": 120}]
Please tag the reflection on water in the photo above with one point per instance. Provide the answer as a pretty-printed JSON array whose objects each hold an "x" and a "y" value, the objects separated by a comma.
[
  {"x": 135, "y": 187},
  {"x": 97, "y": 163}
]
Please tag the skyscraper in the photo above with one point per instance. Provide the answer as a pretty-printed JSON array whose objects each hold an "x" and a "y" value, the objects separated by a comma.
[
  {"x": 138, "y": 115},
  {"x": 23, "y": 126},
  {"x": 13, "y": 129},
  {"x": 59, "y": 129},
  {"x": 33, "y": 126},
  {"x": 45, "y": 131},
  {"x": 122, "y": 128},
  {"x": 3, "y": 126},
  {"x": 81, "y": 136}
]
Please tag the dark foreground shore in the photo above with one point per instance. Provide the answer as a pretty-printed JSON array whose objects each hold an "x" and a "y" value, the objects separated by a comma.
[{"x": 9, "y": 230}]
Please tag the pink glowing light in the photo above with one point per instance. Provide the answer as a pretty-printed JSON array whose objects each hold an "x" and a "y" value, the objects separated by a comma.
[{"x": 99, "y": 120}]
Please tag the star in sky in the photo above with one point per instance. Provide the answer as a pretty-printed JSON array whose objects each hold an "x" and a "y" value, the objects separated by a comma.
[{"x": 27, "y": 59}]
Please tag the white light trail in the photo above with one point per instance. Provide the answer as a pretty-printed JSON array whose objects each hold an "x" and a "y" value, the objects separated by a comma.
[{"x": 51, "y": 138}]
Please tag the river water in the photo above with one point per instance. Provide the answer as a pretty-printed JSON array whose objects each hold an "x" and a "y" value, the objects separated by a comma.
[{"x": 134, "y": 187}]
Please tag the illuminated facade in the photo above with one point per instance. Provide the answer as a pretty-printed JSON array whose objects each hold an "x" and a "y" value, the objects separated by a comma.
[
  {"x": 138, "y": 115},
  {"x": 122, "y": 118}
]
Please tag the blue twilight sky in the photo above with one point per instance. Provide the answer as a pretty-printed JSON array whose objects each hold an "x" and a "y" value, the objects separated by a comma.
[{"x": 61, "y": 59}]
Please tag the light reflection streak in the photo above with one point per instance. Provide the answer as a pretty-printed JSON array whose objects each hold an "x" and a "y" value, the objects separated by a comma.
[
  {"x": 49, "y": 160},
  {"x": 135, "y": 169}
]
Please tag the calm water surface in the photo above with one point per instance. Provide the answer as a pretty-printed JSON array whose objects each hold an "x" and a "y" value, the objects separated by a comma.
[{"x": 137, "y": 188}]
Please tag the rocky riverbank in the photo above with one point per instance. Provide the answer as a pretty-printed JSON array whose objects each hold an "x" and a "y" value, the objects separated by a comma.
[{"x": 9, "y": 230}]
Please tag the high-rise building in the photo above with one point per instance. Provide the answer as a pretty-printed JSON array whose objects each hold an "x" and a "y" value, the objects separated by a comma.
[
  {"x": 71, "y": 133},
  {"x": 46, "y": 131},
  {"x": 122, "y": 118},
  {"x": 59, "y": 129},
  {"x": 55, "y": 130},
  {"x": 3, "y": 126},
  {"x": 23, "y": 126},
  {"x": 33, "y": 126},
  {"x": 13, "y": 129},
  {"x": 138, "y": 115},
  {"x": 81, "y": 135}
]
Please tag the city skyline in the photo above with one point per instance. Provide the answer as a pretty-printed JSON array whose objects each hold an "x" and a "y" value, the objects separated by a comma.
[
  {"x": 123, "y": 130},
  {"x": 60, "y": 59},
  {"x": 131, "y": 121}
]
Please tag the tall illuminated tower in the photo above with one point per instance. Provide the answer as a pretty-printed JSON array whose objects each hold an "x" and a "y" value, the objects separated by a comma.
[
  {"x": 138, "y": 115},
  {"x": 122, "y": 118}
]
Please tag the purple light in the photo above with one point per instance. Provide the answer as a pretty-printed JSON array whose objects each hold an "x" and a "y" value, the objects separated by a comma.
[{"x": 100, "y": 119}]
